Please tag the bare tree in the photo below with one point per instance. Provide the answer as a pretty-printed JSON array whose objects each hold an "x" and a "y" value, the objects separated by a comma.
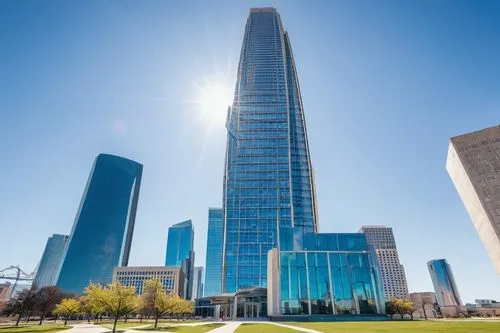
[
  {"x": 23, "y": 303},
  {"x": 46, "y": 300}
]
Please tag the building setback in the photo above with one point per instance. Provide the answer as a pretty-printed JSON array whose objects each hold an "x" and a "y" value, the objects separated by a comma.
[
  {"x": 268, "y": 180},
  {"x": 213, "y": 264},
  {"x": 381, "y": 238},
  {"x": 473, "y": 164},
  {"x": 51, "y": 261},
  {"x": 180, "y": 252},
  {"x": 172, "y": 278},
  {"x": 102, "y": 232}
]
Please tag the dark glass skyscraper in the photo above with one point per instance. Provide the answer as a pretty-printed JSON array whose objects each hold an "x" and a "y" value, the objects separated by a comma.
[
  {"x": 268, "y": 180},
  {"x": 213, "y": 263},
  {"x": 51, "y": 261},
  {"x": 180, "y": 251},
  {"x": 102, "y": 232}
]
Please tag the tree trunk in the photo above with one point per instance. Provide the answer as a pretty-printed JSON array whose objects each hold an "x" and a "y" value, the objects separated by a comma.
[
  {"x": 126, "y": 317},
  {"x": 423, "y": 309},
  {"x": 140, "y": 319},
  {"x": 41, "y": 318},
  {"x": 114, "y": 324},
  {"x": 66, "y": 320},
  {"x": 156, "y": 321},
  {"x": 28, "y": 317},
  {"x": 19, "y": 318}
]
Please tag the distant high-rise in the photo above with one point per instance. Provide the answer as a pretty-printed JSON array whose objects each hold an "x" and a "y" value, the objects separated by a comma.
[
  {"x": 444, "y": 283},
  {"x": 213, "y": 264},
  {"x": 179, "y": 243},
  {"x": 381, "y": 238},
  {"x": 474, "y": 166},
  {"x": 51, "y": 261},
  {"x": 180, "y": 251},
  {"x": 268, "y": 179},
  {"x": 102, "y": 232},
  {"x": 197, "y": 283}
]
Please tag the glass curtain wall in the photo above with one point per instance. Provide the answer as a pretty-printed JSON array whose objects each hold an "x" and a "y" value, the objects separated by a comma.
[
  {"x": 213, "y": 264},
  {"x": 102, "y": 232},
  {"x": 326, "y": 283},
  {"x": 268, "y": 180}
]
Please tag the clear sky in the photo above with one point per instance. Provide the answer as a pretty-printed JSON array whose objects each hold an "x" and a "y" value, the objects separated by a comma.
[{"x": 384, "y": 85}]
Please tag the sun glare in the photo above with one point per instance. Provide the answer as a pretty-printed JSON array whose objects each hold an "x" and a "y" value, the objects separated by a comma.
[{"x": 213, "y": 101}]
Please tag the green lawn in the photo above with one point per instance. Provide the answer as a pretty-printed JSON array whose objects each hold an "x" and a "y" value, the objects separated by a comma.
[
  {"x": 136, "y": 323},
  {"x": 33, "y": 328},
  {"x": 183, "y": 329},
  {"x": 257, "y": 328},
  {"x": 403, "y": 327}
]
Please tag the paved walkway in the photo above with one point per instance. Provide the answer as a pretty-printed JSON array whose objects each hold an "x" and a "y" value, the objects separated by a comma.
[
  {"x": 86, "y": 328},
  {"x": 228, "y": 327}
]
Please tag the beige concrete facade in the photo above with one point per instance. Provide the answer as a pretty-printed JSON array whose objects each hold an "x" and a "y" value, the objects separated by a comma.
[
  {"x": 473, "y": 164},
  {"x": 172, "y": 278},
  {"x": 424, "y": 304},
  {"x": 393, "y": 273}
]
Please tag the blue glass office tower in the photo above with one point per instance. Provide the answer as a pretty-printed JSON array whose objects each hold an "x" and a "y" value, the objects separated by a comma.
[
  {"x": 213, "y": 264},
  {"x": 50, "y": 262},
  {"x": 180, "y": 251},
  {"x": 444, "y": 283},
  {"x": 179, "y": 243},
  {"x": 102, "y": 232},
  {"x": 268, "y": 180}
]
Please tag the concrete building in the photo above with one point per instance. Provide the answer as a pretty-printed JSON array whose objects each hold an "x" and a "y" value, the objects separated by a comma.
[
  {"x": 474, "y": 166},
  {"x": 4, "y": 291},
  {"x": 425, "y": 304},
  {"x": 197, "y": 291},
  {"x": 381, "y": 239},
  {"x": 484, "y": 307},
  {"x": 172, "y": 278}
]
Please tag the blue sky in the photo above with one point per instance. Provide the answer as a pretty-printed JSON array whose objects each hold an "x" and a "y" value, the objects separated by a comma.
[{"x": 384, "y": 84}]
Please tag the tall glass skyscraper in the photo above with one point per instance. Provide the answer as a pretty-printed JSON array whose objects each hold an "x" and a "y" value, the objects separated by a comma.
[
  {"x": 268, "y": 180},
  {"x": 213, "y": 263},
  {"x": 51, "y": 261},
  {"x": 444, "y": 283},
  {"x": 179, "y": 243},
  {"x": 180, "y": 251},
  {"x": 102, "y": 232}
]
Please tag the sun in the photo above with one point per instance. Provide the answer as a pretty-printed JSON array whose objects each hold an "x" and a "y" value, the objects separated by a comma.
[{"x": 213, "y": 100}]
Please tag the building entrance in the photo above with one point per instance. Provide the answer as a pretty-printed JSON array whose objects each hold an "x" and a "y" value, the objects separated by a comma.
[{"x": 252, "y": 310}]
